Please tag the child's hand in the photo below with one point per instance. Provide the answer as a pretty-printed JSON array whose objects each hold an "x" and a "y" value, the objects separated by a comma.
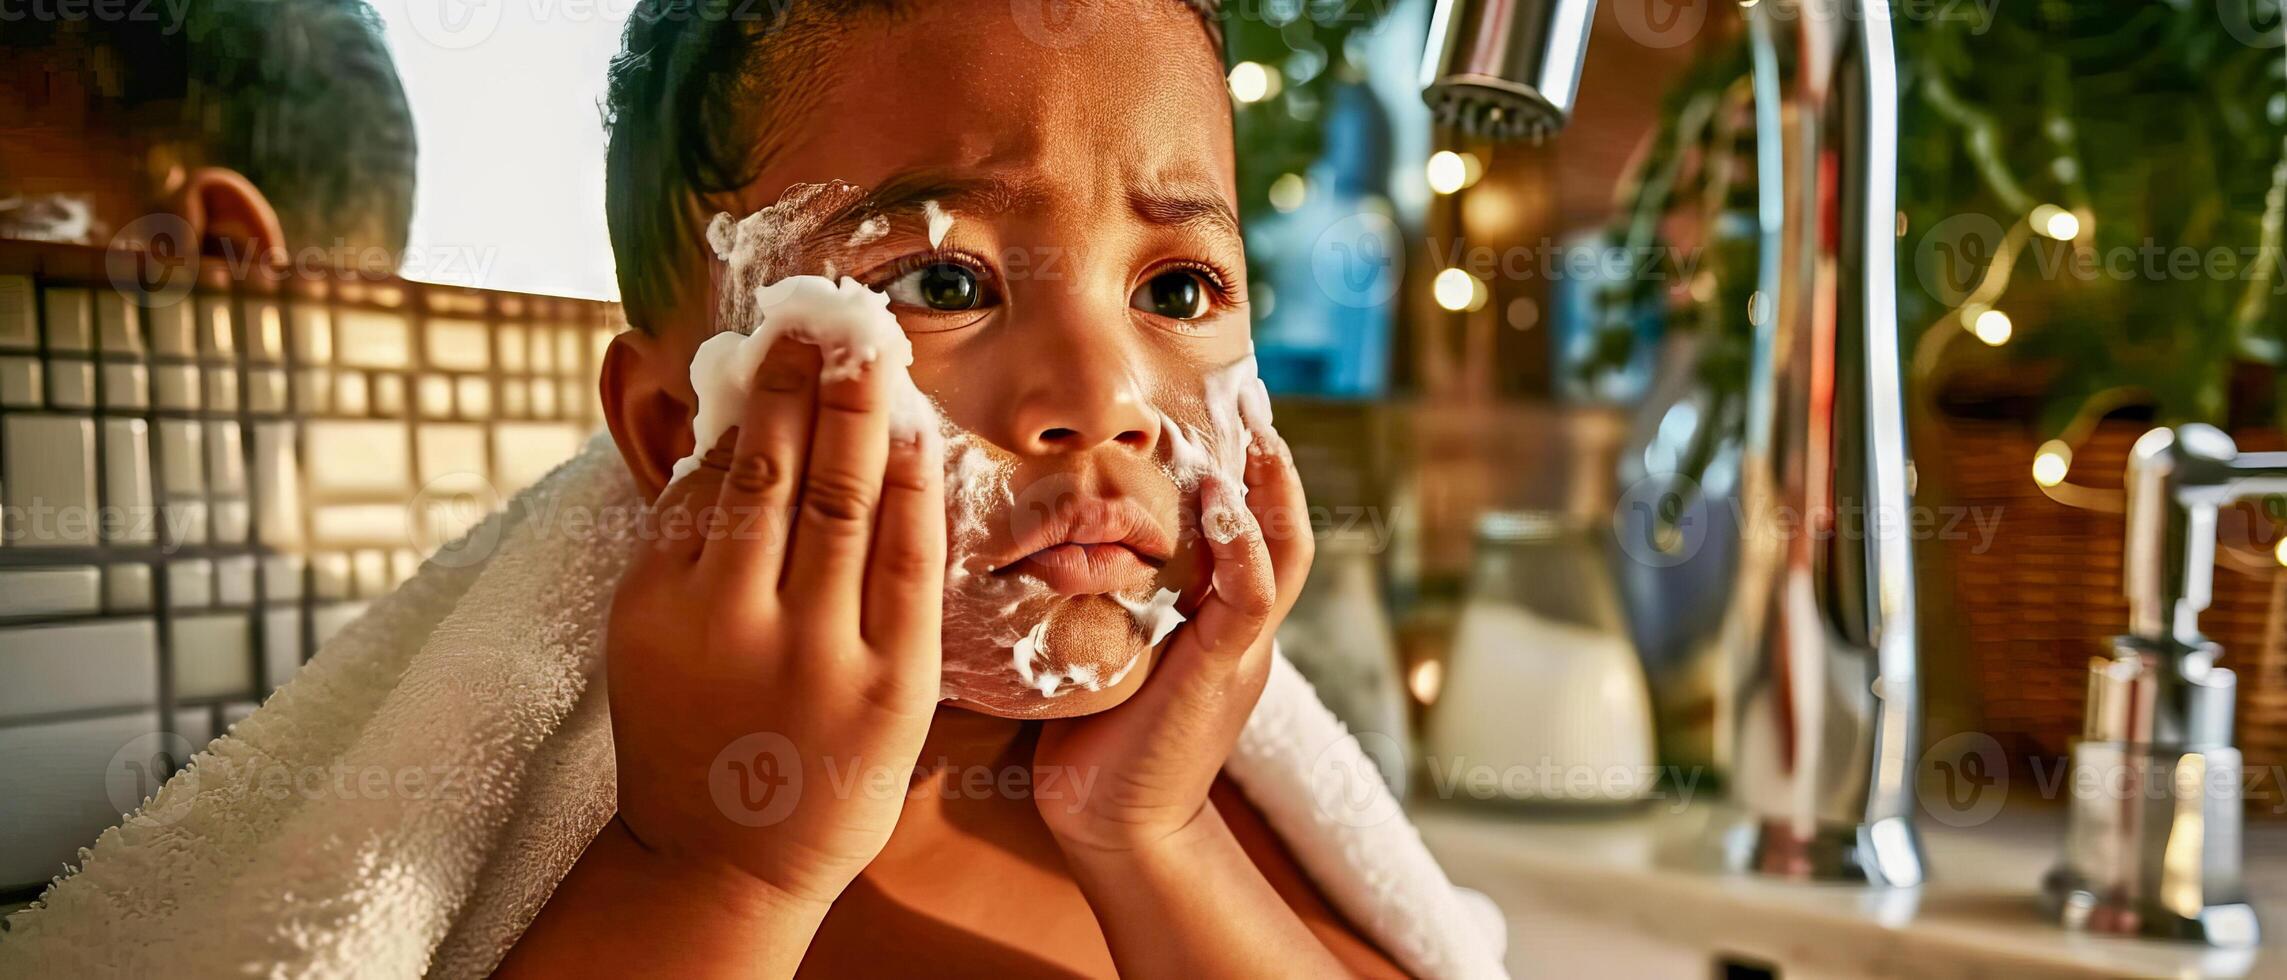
[
  {"x": 779, "y": 639},
  {"x": 1155, "y": 755}
]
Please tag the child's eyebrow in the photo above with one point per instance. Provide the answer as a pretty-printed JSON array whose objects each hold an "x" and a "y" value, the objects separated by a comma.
[
  {"x": 1185, "y": 205},
  {"x": 1175, "y": 201}
]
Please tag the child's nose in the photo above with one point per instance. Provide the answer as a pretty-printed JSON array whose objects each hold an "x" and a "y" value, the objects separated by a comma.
[{"x": 1079, "y": 394}]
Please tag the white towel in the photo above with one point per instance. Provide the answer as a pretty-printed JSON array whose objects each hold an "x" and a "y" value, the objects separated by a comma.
[{"x": 469, "y": 695}]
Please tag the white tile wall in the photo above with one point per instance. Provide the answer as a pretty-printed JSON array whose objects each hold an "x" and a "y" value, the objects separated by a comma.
[
  {"x": 374, "y": 339},
  {"x": 129, "y": 508},
  {"x": 127, "y": 587},
  {"x": 213, "y": 655},
  {"x": 19, "y": 382},
  {"x": 70, "y": 320},
  {"x": 171, "y": 329},
  {"x": 71, "y": 384},
  {"x": 351, "y": 459},
  {"x": 50, "y": 480},
  {"x": 118, "y": 325},
  {"x": 126, "y": 386},
  {"x": 281, "y": 645},
  {"x": 19, "y": 323},
  {"x": 50, "y": 591},
  {"x": 67, "y": 781},
  {"x": 112, "y": 663},
  {"x": 238, "y": 472}
]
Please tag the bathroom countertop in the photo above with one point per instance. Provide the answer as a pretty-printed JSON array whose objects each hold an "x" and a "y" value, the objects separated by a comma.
[{"x": 1631, "y": 875}]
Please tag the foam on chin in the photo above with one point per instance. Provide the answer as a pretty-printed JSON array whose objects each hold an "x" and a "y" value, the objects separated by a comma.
[{"x": 988, "y": 659}]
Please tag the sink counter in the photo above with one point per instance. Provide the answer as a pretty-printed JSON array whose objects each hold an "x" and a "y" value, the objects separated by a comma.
[{"x": 1619, "y": 895}]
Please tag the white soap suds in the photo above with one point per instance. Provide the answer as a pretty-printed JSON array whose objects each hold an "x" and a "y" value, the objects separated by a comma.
[
  {"x": 1238, "y": 410},
  {"x": 940, "y": 222},
  {"x": 853, "y": 330},
  {"x": 867, "y": 231},
  {"x": 1156, "y": 615},
  {"x": 1030, "y": 656}
]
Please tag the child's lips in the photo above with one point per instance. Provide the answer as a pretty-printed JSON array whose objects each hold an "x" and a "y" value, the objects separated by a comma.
[{"x": 1075, "y": 568}]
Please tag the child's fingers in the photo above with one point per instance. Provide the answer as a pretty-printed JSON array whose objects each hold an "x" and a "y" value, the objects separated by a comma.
[
  {"x": 678, "y": 518},
  {"x": 841, "y": 491},
  {"x": 758, "y": 484},
  {"x": 905, "y": 577},
  {"x": 1275, "y": 498},
  {"x": 1242, "y": 592}
]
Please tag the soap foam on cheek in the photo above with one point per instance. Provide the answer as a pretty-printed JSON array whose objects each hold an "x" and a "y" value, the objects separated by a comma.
[{"x": 1238, "y": 422}]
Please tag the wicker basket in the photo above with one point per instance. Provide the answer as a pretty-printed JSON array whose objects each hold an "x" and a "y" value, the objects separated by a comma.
[{"x": 2046, "y": 594}]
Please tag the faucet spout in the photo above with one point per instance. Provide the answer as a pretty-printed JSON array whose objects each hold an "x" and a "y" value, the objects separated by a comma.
[
  {"x": 1823, "y": 712},
  {"x": 1819, "y": 716}
]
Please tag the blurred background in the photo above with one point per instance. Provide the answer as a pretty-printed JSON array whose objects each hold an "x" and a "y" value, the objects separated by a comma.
[{"x": 1517, "y": 376}]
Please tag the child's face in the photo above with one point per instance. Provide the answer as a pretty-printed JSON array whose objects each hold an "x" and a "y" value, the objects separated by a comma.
[{"x": 1088, "y": 285}]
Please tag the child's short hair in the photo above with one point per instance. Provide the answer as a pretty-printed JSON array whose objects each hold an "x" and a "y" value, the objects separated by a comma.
[
  {"x": 682, "y": 112},
  {"x": 300, "y": 96}
]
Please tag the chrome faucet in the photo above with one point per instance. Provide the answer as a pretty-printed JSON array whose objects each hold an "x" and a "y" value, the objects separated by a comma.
[
  {"x": 2152, "y": 843},
  {"x": 1819, "y": 733}
]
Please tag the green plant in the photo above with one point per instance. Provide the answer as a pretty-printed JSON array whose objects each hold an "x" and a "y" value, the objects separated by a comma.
[{"x": 2049, "y": 151}]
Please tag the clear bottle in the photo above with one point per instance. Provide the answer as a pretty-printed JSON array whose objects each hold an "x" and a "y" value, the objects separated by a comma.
[{"x": 1544, "y": 699}]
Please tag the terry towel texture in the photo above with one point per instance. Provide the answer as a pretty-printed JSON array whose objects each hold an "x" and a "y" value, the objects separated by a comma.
[{"x": 467, "y": 757}]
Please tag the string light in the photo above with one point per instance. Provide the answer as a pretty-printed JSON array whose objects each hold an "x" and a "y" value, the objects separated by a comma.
[
  {"x": 1990, "y": 325},
  {"x": 1458, "y": 291},
  {"x": 1289, "y": 192},
  {"x": 1425, "y": 679},
  {"x": 2055, "y": 222},
  {"x": 2279, "y": 551},
  {"x": 1449, "y": 172},
  {"x": 1252, "y": 81},
  {"x": 2052, "y": 463}
]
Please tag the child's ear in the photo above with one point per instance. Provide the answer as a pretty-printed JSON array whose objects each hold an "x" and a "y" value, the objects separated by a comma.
[{"x": 648, "y": 404}]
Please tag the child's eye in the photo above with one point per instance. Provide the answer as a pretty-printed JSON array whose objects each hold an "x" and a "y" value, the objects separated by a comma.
[
  {"x": 1178, "y": 294},
  {"x": 943, "y": 286}
]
